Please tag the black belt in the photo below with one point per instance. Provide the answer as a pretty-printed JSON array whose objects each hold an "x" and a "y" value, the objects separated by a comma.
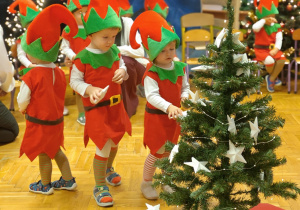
[
  {"x": 114, "y": 100},
  {"x": 154, "y": 111},
  {"x": 270, "y": 47},
  {"x": 44, "y": 122}
]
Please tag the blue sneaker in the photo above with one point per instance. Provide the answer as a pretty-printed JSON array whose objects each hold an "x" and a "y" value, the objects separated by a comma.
[
  {"x": 102, "y": 196},
  {"x": 270, "y": 85},
  {"x": 62, "y": 184},
  {"x": 38, "y": 187},
  {"x": 112, "y": 177},
  {"x": 278, "y": 82}
]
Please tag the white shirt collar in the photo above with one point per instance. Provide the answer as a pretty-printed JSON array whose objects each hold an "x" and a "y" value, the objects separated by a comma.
[
  {"x": 170, "y": 68},
  {"x": 48, "y": 65}
]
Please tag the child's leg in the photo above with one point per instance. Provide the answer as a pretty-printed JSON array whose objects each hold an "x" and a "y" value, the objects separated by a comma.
[
  {"x": 277, "y": 69},
  {"x": 112, "y": 177},
  {"x": 66, "y": 181},
  {"x": 101, "y": 191},
  {"x": 270, "y": 80},
  {"x": 45, "y": 164},
  {"x": 149, "y": 169},
  {"x": 44, "y": 185},
  {"x": 80, "y": 108}
]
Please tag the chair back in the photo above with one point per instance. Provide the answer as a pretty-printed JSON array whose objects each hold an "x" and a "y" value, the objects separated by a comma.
[{"x": 195, "y": 20}]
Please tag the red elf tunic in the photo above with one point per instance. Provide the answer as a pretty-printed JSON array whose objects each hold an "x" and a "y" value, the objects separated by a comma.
[
  {"x": 109, "y": 121},
  {"x": 263, "y": 38},
  {"x": 46, "y": 104},
  {"x": 158, "y": 127}
]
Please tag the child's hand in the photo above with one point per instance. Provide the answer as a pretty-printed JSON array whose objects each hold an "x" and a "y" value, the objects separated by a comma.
[
  {"x": 274, "y": 51},
  {"x": 173, "y": 112},
  {"x": 68, "y": 62},
  {"x": 94, "y": 93},
  {"x": 183, "y": 99},
  {"x": 22, "y": 111},
  {"x": 270, "y": 20},
  {"x": 119, "y": 76},
  {"x": 32, "y": 65}
]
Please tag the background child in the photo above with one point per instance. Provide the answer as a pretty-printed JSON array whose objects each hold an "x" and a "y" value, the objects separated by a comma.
[
  {"x": 133, "y": 59},
  {"x": 28, "y": 11},
  {"x": 159, "y": 6},
  {"x": 41, "y": 98},
  {"x": 166, "y": 84},
  {"x": 96, "y": 67},
  {"x": 71, "y": 46},
  {"x": 268, "y": 41}
]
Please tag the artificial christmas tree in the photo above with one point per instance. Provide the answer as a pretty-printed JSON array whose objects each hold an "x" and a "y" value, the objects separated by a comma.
[{"x": 227, "y": 151}]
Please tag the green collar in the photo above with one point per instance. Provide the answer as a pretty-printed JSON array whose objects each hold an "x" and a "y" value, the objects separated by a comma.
[
  {"x": 24, "y": 71},
  {"x": 171, "y": 75},
  {"x": 81, "y": 32},
  {"x": 96, "y": 60},
  {"x": 272, "y": 29}
]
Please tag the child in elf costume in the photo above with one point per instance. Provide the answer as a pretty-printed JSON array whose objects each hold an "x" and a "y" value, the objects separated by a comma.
[
  {"x": 41, "y": 98},
  {"x": 71, "y": 46},
  {"x": 159, "y": 6},
  {"x": 268, "y": 41},
  {"x": 98, "y": 67},
  {"x": 125, "y": 8},
  {"x": 28, "y": 11},
  {"x": 166, "y": 85}
]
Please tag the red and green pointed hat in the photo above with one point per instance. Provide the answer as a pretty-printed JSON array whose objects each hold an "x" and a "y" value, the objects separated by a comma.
[
  {"x": 27, "y": 8},
  {"x": 266, "y": 7},
  {"x": 73, "y": 5},
  {"x": 42, "y": 38},
  {"x": 159, "y": 6},
  {"x": 125, "y": 7},
  {"x": 100, "y": 15},
  {"x": 155, "y": 32}
]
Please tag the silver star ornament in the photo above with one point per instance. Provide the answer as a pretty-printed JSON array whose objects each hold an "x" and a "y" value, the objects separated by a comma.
[
  {"x": 254, "y": 130},
  {"x": 231, "y": 127},
  {"x": 197, "y": 165},
  {"x": 235, "y": 153},
  {"x": 174, "y": 151},
  {"x": 150, "y": 207}
]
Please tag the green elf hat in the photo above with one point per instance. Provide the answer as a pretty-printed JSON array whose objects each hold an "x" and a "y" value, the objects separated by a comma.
[
  {"x": 27, "y": 8},
  {"x": 125, "y": 7},
  {"x": 73, "y": 5},
  {"x": 155, "y": 32},
  {"x": 41, "y": 40},
  {"x": 100, "y": 15},
  {"x": 266, "y": 7},
  {"x": 159, "y": 6}
]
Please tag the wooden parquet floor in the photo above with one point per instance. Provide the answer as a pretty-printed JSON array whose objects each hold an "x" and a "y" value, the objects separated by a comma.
[{"x": 17, "y": 173}]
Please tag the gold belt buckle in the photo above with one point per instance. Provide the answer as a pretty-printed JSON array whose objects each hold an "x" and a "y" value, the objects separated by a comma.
[
  {"x": 271, "y": 46},
  {"x": 112, "y": 103}
]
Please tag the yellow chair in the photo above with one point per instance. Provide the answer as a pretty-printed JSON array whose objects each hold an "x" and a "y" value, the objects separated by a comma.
[{"x": 196, "y": 37}]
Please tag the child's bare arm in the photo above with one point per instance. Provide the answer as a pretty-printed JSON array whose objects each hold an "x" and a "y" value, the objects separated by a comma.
[
  {"x": 120, "y": 76},
  {"x": 174, "y": 112}
]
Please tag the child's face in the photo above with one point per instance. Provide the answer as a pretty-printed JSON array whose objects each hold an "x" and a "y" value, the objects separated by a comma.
[
  {"x": 77, "y": 15},
  {"x": 103, "y": 39},
  {"x": 165, "y": 57}
]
